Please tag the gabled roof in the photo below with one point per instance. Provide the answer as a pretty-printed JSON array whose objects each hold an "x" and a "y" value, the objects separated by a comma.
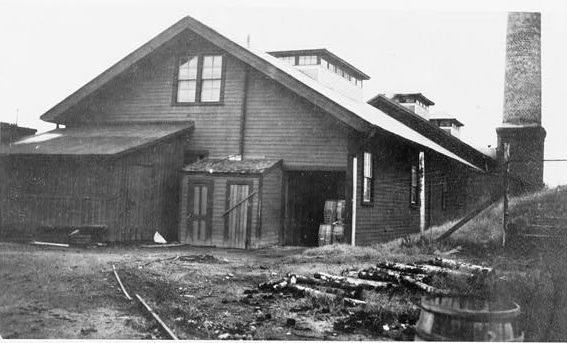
[
  {"x": 358, "y": 115},
  {"x": 430, "y": 130},
  {"x": 108, "y": 140},
  {"x": 325, "y": 54}
]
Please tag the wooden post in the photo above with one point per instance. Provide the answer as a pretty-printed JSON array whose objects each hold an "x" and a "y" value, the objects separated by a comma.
[{"x": 505, "y": 212}]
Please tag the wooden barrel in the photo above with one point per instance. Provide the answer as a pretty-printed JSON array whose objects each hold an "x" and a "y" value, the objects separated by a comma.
[
  {"x": 330, "y": 212},
  {"x": 338, "y": 233},
  {"x": 466, "y": 319},
  {"x": 325, "y": 234},
  {"x": 341, "y": 207}
]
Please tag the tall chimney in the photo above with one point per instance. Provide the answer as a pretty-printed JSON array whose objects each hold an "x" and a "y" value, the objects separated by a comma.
[{"x": 521, "y": 123}]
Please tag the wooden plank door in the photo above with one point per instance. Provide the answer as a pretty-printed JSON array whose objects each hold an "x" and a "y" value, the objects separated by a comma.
[
  {"x": 238, "y": 221},
  {"x": 139, "y": 210},
  {"x": 199, "y": 213}
]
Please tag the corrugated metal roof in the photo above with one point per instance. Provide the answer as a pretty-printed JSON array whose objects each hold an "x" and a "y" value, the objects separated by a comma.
[
  {"x": 95, "y": 140},
  {"x": 212, "y": 166}
]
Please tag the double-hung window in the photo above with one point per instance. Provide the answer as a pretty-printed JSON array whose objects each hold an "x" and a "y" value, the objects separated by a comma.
[
  {"x": 199, "y": 79},
  {"x": 414, "y": 188},
  {"x": 367, "y": 179}
]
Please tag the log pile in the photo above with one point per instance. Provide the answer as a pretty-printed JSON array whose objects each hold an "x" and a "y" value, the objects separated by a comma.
[{"x": 384, "y": 276}]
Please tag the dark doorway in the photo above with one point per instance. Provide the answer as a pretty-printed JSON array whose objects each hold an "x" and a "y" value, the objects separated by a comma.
[{"x": 307, "y": 192}]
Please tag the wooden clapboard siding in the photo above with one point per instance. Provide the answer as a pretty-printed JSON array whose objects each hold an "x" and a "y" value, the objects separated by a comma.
[
  {"x": 281, "y": 125},
  {"x": 269, "y": 231},
  {"x": 390, "y": 215},
  {"x": 464, "y": 188},
  {"x": 145, "y": 93}
]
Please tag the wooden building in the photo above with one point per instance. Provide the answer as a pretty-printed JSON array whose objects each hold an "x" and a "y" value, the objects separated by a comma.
[
  {"x": 121, "y": 178},
  {"x": 274, "y": 136}
]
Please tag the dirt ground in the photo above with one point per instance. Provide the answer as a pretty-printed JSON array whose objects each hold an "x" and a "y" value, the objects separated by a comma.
[
  {"x": 71, "y": 293},
  {"x": 203, "y": 293}
]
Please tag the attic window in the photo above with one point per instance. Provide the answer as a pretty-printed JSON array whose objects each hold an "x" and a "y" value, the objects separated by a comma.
[{"x": 199, "y": 79}]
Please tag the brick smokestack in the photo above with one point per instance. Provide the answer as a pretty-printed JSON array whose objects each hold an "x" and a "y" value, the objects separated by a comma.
[{"x": 521, "y": 122}]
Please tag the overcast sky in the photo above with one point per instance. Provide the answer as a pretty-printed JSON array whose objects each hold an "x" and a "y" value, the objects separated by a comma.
[{"x": 451, "y": 51}]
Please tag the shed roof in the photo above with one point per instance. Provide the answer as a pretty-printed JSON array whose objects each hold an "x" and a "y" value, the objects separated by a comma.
[
  {"x": 360, "y": 116},
  {"x": 227, "y": 166},
  {"x": 95, "y": 140}
]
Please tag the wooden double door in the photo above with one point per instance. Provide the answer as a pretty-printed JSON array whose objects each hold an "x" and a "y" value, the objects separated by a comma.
[{"x": 237, "y": 215}]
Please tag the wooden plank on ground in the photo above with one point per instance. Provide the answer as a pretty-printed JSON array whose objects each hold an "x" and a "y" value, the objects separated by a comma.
[
  {"x": 171, "y": 245},
  {"x": 157, "y": 318},
  {"x": 60, "y": 245},
  {"x": 120, "y": 283}
]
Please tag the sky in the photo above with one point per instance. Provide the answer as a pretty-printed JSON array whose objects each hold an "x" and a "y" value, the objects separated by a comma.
[{"x": 451, "y": 51}]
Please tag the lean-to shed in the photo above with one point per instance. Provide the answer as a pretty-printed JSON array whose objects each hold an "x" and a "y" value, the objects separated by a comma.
[
  {"x": 121, "y": 178},
  {"x": 232, "y": 204}
]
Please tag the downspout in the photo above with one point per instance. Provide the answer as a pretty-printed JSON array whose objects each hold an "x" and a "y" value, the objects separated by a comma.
[{"x": 243, "y": 111}]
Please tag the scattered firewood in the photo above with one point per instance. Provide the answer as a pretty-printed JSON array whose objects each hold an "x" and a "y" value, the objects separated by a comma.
[
  {"x": 441, "y": 262},
  {"x": 352, "y": 283},
  {"x": 307, "y": 280},
  {"x": 61, "y": 245},
  {"x": 352, "y": 272},
  {"x": 120, "y": 283},
  {"x": 157, "y": 318},
  {"x": 388, "y": 275},
  {"x": 316, "y": 293},
  {"x": 422, "y": 269},
  {"x": 414, "y": 280},
  {"x": 274, "y": 285}
]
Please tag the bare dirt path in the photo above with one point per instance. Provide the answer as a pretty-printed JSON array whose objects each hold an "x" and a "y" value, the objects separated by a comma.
[{"x": 72, "y": 293}]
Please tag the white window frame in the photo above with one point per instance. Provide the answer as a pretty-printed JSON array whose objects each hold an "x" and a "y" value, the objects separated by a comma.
[{"x": 367, "y": 178}]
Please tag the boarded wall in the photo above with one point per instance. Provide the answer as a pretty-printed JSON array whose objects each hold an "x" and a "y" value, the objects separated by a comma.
[{"x": 133, "y": 195}]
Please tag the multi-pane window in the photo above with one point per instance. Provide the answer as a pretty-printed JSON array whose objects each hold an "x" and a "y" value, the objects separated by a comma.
[
  {"x": 367, "y": 179},
  {"x": 211, "y": 79},
  {"x": 414, "y": 189},
  {"x": 187, "y": 79},
  {"x": 199, "y": 79},
  {"x": 307, "y": 60},
  {"x": 288, "y": 59}
]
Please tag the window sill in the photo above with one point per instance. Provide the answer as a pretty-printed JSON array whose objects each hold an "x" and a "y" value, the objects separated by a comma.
[
  {"x": 184, "y": 104},
  {"x": 367, "y": 203}
]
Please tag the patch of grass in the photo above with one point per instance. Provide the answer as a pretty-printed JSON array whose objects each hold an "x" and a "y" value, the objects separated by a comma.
[{"x": 485, "y": 230}]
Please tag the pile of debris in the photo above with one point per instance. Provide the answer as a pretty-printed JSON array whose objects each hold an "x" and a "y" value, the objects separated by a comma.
[{"x": 385, "y": 275}]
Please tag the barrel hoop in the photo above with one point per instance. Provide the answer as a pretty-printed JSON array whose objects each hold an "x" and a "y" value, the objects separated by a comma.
[
  {"x": 474, "y": 315},
  {"x": 435, "y": 337}
]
